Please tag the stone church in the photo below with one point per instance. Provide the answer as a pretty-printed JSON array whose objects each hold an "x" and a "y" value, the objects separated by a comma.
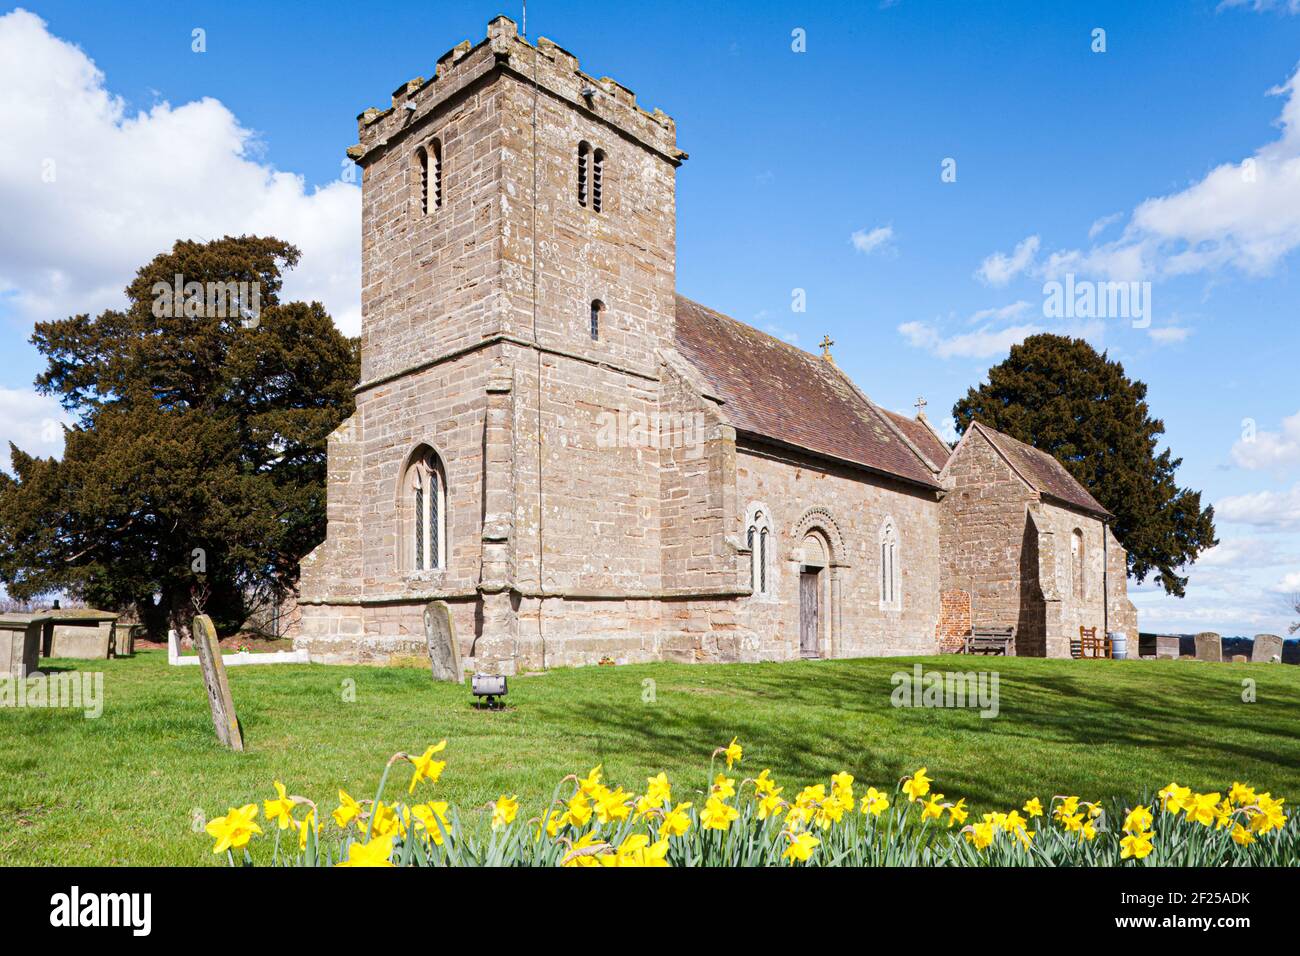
[{"x": 587, "y": 466}]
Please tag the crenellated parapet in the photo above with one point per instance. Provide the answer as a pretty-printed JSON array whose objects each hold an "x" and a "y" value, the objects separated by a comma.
[{"x": 556, "y": 72}]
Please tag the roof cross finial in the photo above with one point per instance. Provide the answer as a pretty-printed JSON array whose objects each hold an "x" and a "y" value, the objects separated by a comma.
[
  {"x": 920, "y": 405},
  {"x": 827, "y": 342}
]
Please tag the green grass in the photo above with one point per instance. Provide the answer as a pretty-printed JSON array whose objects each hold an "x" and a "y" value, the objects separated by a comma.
[{"x": 127, "y": 787}]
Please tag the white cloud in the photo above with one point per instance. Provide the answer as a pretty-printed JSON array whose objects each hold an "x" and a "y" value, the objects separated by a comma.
[
  {"x": 127, "y": 184},
  {"x": 1279, "y": 510},
  {"x": 1261, "y": 6},
  {"x": 1242, "y": 215},
  {"x": 1290, "y": 584},
  {"x": 1168, "y": 334},
  {"x": 1270, "y": 450},
  {"x": 999, "y": 268},
  {"x": 877, "y": 239},
  {"x": 1003, "y": 314},
  {"x": 32, "y": 422},
  {"x": 1100, "y": 225},
  {"x": 982, "y": 343}
]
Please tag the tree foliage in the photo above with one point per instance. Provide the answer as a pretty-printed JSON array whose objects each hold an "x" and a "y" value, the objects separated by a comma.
[
  {"x": 1063, "y": 397},
  {"x": 195, "y": 469}
]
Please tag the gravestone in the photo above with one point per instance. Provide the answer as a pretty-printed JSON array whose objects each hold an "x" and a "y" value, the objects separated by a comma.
[
  {"x": 1167, "y": 647},
  {"x": 1267, "y": 648},
  {"x": 20, "y": 644},
  {"x": 1209, "y": 647},
  {"x": 444, "y": 651},
  {"x": 1239, "y": 658},
  {"x": 214, "y": 678}
]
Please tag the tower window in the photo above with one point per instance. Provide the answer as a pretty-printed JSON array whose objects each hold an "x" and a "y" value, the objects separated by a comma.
[
  {"x": 425, "y": 493},
  {"x": 597, "y": 307},
  {"x": 584, "y": 163},
  {"x": 422, "y": 178},
  {"x": 597, "y": 179},
  {"x": 428, "y": 171}
]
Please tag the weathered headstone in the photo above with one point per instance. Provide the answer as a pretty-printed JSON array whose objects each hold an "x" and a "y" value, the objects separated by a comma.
[
  {"x": 444, "y": 652},
  {"x": 1239, "y": 659},
  {"x": 1167, "y": 647},
  {"x": 20, "y": 644},
  {"x": 1267, "y": 648},
  {"x": 1209, "y": 647},
  {"x": 214, "y": 677}
]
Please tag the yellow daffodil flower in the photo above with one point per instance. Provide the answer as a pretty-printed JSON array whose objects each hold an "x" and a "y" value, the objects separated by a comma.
[
  {"x": 590, "y": 782},
  {"x": 724, "y": 787},
  {"x": 1202, "y": 808},
  {"x": 932, "y": 809},
  {"x": 957, "y": 812},
  {"x": 771, "y": 805},
  {"x": 1136, "y": 845},
  {"x": 637, "y": 850},
  {"x": 374, "y": 853},
  {"x": 916, "y": 786},
  {"x": 309, "y": 825},
  {"x": 1240, "y": 794},
  {"x": 875, "y": 802},
  {"x": 1033, "y": 807},
  {"x": 1241, "y": 836},
  {"x": 801, "y": 847},
  {"x": 503, "y": 811},
  {"x": 348, "y": 810},
  {"x": 385, "y": 821},
  {"x": 733, "y": 752},
  {"x": 1174, "y": 798},
  {"x": 764, "y": 784},
  {"x": 279, "y": 809},
  {"x": 676, "y": 821},
  {"x": 981, "y": 834},
  {"x": 426, "y": 768},
  {"x": 579, "y": 811},
  {"x": 658, "y": 791},
  {"x": 235, "y": 829},
  {"x": 718, "y": 815},
  {"x": 576, "y": 856},
  {"x": 1138, "y": 819},
  {"x": 429, "y": 815}
]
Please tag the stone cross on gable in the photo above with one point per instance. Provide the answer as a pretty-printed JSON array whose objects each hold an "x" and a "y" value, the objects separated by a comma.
[
  {"x": 827, "y": 342},
  {"x": 920, "y": 405}
]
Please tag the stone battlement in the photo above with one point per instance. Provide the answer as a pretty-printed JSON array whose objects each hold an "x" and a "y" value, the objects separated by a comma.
[{"x": 462, "y": 68}]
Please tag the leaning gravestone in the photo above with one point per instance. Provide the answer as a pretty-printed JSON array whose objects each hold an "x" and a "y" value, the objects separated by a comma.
[
  {"x": 444, "y": 652},
  {"x": 214, "y": 677},
  {"x": 1267, "y": 648},
  {"x": 1209, "y": 647}
]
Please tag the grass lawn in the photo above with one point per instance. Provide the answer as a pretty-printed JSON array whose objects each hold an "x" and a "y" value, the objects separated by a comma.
[{"x": 129, "y": 786}]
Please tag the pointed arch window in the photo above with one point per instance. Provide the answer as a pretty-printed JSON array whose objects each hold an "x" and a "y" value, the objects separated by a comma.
[
  {"x": 425, "y": 511},
  {"x": 891, "y": 591}
]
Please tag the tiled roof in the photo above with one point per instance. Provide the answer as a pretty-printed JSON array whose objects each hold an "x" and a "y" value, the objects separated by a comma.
[
  {"x": 1047, "y": 475},
  {"x": 774, "y": 390},
  {"x": 920, "y": 435}
]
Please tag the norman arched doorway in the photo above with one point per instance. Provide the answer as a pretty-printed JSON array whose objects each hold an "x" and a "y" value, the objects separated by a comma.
[{"x": 813, "y": 595}]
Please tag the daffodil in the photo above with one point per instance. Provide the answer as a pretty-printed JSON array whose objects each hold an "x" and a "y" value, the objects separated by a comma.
[
  {"x": 1241, "y": 836},
  {"x": 1138, "y": 819},
  {"x": 771, "y": 805},
  {"x": 981, "y": 834},
  {"x": 733, "y": 753},
  {"x": 1241, "y": 794},
  {"x": 347, "y": 811},
  {"x": 613, "y": 805},
  {"x": 503, "y": 811},
  {"x": 1202, "y": 808},
  {"x": 658, "y": 791},
  {"x": 1033, "y": 807},
  {"x": 384, "y": 822},
  {"x": 426, "y": 768},
  {"x": 1136, "y": 844},
  {"x": 916, "y": 786},
  {"x": 1174, "y": 798},
  {"x": 801, "y": 847},
  {"x": 373, "y": 853},
  {"x": 637, "y": 850},
  {"x": 875, "y": 802},
  {"x": 583, "y": 853},
  {"x": 579, "y": 810},
  {"x": 429, "y": 815},
  {"x": 932, "y": 809},
  {"x": 590, "y": 782},
  {"x": 279, "y": 809},
  {"x": 957, "y": 812},
  {"x": 676, "y": 821},
  {"x": 235, "y": 829},
  {"x": 309, "y": 825},
  {"x": 724, "y": 787},
  {"x": 764, "y": 784},
  {"x": 718, "y": 815}
]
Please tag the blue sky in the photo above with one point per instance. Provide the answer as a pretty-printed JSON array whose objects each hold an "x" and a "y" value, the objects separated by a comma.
[{"x": 1123, "y": 164}]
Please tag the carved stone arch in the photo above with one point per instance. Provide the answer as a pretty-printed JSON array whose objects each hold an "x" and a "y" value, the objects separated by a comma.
[
  {"x": 821, "y": 519},
  {"x": 820, "y": 522}
]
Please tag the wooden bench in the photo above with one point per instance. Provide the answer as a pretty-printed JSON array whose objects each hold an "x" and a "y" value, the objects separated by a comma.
[{"x": 990, "y": 640}]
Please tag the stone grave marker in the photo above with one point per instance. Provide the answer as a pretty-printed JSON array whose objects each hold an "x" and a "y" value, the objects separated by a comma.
[
  {"x": 444, "y": 651},
  {"x": 1209, "y": 647},
  {"x": 214, "y": 677},
  {"x": 20, "y": 644},
  {"x": 1267, "y": 648},
  {"x": 1167, "y": 647}
]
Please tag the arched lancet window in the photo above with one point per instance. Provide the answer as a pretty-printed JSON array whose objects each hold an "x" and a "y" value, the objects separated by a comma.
[
  {"x": 891, "y": 591},
  {"x": 1076, "y": 562},
  {"x": 428, "y": 176},
  {"x": 597, "y": 179},
  {"x": 584, "y": 162},
  {"x": 597, "y": 307},
  {"x": 758, "y": 539},
  {"x": 425, "y": 512},
  {"x": 435, "y": 174}
]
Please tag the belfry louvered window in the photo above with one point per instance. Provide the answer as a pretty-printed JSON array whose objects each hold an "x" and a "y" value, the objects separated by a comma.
[
  {"x": 597, "y": 180},
  {"x": 428, "y": 174},
  {"x": 584, "y": 172}
]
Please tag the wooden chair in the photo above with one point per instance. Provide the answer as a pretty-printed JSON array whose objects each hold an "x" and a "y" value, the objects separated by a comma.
[{"x": 990, "y": 640}]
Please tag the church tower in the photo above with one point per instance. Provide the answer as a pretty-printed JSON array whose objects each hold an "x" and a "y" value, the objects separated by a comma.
[{"x": 518, "y": 292}]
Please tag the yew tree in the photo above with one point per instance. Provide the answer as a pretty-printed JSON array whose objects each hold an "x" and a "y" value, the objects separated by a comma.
[
  {"x": 193, "y": 475},
  {"x": 1062, "y": 396}
]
